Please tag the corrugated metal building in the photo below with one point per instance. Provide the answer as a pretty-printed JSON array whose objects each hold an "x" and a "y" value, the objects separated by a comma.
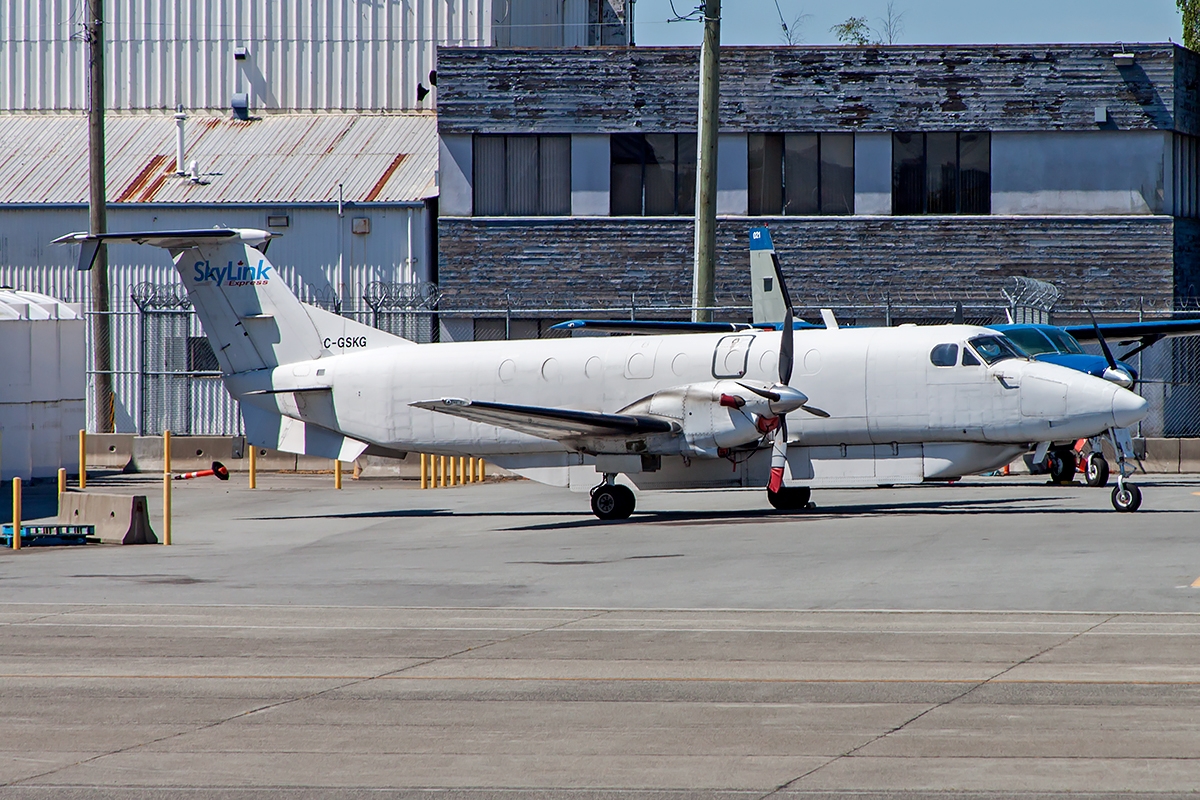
[{"x": 319, "y": 55}]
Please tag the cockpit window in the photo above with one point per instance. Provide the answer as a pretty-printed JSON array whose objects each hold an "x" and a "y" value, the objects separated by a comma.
[
  {"x": 1031, "y": 340},
  {"x": 944, "y": 355},
  {"x": 969, "y": 359},
  {"x": 994, "y": 348},
  {"x": 1066, "y": 342}
]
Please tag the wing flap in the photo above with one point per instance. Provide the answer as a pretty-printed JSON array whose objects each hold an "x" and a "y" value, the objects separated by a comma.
[{"x": 549, "y": 423}]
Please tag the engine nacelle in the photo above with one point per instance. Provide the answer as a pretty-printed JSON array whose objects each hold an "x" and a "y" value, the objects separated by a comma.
[{"x": 708, "y": 425}]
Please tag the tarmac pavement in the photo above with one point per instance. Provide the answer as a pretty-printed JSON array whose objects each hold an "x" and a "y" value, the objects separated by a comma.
[{"x": 997, "y": 638}]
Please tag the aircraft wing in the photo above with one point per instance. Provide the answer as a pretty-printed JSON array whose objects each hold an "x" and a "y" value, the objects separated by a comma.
[
  {"x": 548, "y": 423},
  {"x": 1125, "y": 331},
  {"x": 648, "y": 326}
]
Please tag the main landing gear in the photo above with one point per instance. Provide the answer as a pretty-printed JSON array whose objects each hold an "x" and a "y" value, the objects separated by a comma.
[
  {"x": 790, "y": 498},
  {"x": 611, "y": 500}
]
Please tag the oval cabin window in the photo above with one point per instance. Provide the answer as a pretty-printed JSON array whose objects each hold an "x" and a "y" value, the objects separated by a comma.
[{"x": 944, "y": 355}]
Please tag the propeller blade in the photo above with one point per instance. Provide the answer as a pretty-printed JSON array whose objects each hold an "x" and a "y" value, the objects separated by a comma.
[
  {"x": 816, "y": 412},
  {"x": 766, "y": 393},
  {"x": 778, "y": 455},
  {"x": 786, "y": 334},
  {"x": 1112, "y": 362}
]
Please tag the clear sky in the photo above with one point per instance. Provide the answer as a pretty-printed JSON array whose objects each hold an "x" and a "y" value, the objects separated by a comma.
[{"x": 925, "y": 21}]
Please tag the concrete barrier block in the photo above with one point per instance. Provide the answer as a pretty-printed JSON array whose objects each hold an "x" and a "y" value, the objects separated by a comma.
[
  {"x": 187, "y": 452},
  {"x": 1162, "y": 456},
  {"x": 109, "y": 450},
  {"x": 1189, "y": 455},
  {"x": 119, "y": 518}
]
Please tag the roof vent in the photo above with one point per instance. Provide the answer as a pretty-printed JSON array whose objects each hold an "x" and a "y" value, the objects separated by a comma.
[{"x": 241, "y": 106}]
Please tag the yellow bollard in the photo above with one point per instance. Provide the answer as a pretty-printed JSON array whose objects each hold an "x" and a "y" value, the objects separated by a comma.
[
  {"x": 62, "y": 482},
  {"x": 471, "y": 469},
  {"x": 253, "y": 467},
  {"x": 166, "y": 487},
  {"x": 83, "y": 459},
  {"x": 442, "y": 472},
  {"x": 16, "y": 540},
  {"x": 337, "y": 474},
  {"x": 424, "y": 471},
  {"x": 462, "y": 471},
  {"x": 482, "y": 474}
]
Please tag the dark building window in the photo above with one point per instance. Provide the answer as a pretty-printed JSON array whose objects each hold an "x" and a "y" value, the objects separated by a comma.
[
  {"x": 1187, "y": 176},
  {"x": 652, "y": 174},
  {"x": 942, "y": 173},
  {"x": 801, "y": 173},
  {"x": 522, "y": 176}
]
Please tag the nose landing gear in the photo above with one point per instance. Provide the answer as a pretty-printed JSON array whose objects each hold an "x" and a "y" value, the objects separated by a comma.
[
  {"x": 611, "y": 500},
  {"x": 1126, "y": 496}
]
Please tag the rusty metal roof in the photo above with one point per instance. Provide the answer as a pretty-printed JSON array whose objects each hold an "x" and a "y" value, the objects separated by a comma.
[{"x": 284, "y": 158}]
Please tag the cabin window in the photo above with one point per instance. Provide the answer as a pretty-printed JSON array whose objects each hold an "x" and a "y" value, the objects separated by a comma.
[
  {"x": 522, "y": 176},
  {"x": 941, "y": 173},
  {"x": 652, "y": 174},
  {"x": 801, "y": 173},
  {"x": 944, "y": 355}
]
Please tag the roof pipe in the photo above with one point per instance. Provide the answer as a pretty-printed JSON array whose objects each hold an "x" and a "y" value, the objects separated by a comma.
[{"x": 180, "y": 117}]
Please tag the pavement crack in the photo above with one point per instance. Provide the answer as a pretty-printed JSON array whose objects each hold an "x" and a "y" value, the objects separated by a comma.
[
  {"x": 972, "y": 688},
  {"x": 308, "y": 696}
]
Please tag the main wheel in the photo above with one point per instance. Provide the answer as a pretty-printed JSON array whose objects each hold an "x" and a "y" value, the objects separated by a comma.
[
  {"x": 1062, "y": 465},
  {"x": 1127, "y": 497},
  {"x": 1097, "y": 470},
  {"x": 613, "y": 502},
  {"x": 790, "y": 498}
]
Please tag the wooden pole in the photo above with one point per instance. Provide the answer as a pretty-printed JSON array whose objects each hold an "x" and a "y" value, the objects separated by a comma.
[
  {"x": 166, "y": 487},
  {"x": 16, "y": 540},
  {"x": 253, "y": 467},
  {"x": 704, "y": 260},
  {"x": 102, "y": 394},
  {"x": 83, "y": 459}
]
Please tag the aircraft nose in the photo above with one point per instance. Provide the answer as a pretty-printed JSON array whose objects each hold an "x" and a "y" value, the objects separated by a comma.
[{"x": 1128, "y": 408}]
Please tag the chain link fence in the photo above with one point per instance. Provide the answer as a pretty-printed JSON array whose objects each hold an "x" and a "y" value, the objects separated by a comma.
[{"x": 165, "y": 374}]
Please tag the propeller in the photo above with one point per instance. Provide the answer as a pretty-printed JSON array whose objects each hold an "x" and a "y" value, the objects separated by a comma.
[{"x": 1114, "y": 373}]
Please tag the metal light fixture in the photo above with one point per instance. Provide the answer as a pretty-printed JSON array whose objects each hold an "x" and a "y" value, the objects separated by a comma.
[{"x": 422, "y": 92}]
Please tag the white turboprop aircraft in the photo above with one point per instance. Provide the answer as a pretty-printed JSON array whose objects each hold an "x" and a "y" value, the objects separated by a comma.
[{"x": 817, "y": 408}]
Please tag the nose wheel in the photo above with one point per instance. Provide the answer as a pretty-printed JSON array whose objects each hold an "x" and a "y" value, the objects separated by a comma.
[
  {"x": 1126, "y": 496},
  {"x": 612, "y": 500}
]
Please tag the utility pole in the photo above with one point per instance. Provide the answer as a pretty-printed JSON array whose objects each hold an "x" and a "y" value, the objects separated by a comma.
[
  {"x": 704, "y": 269},
  {"x": 102, "y": 395}
]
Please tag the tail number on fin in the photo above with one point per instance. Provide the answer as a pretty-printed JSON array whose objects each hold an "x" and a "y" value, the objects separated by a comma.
[{"x": 345, "y": 342}]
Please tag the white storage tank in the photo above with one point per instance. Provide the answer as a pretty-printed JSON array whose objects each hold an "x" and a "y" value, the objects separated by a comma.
[{"x": 43, "y": 380}]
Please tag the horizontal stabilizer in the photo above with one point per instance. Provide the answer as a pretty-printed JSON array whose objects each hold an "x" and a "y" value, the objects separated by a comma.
[
  {"x": 170, "y": 240},
  {"x": 549, "y": 423}
]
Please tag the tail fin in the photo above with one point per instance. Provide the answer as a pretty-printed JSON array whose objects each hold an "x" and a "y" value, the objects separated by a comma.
[
  {"x": 249, "y": 314},
  {"x": 766, "y": 293}
]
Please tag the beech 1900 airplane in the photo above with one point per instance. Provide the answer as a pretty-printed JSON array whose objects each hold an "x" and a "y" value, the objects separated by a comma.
[{"x": 787, "y": 410}]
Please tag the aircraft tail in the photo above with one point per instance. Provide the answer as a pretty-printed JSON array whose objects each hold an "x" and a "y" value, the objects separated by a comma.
[
  {"x": 766, "y": 294},
  {"x": 249, "y": 314}
]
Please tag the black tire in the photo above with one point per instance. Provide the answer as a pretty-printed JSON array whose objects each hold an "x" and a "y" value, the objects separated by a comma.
[
  {"x": 790, "y": 498},
  {"x": 1097, "y": 470},
  {"x": 1062, "y": 465},
  {"x": 613, "y": 502},
  {"x": 1128, "y": 498}
]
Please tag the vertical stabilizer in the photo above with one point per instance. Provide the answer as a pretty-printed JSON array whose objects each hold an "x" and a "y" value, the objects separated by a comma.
[{"x": 765, "y": 292}]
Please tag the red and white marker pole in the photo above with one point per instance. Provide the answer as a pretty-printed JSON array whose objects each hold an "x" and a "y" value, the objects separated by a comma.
[{"x": 217, "y": 469}]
